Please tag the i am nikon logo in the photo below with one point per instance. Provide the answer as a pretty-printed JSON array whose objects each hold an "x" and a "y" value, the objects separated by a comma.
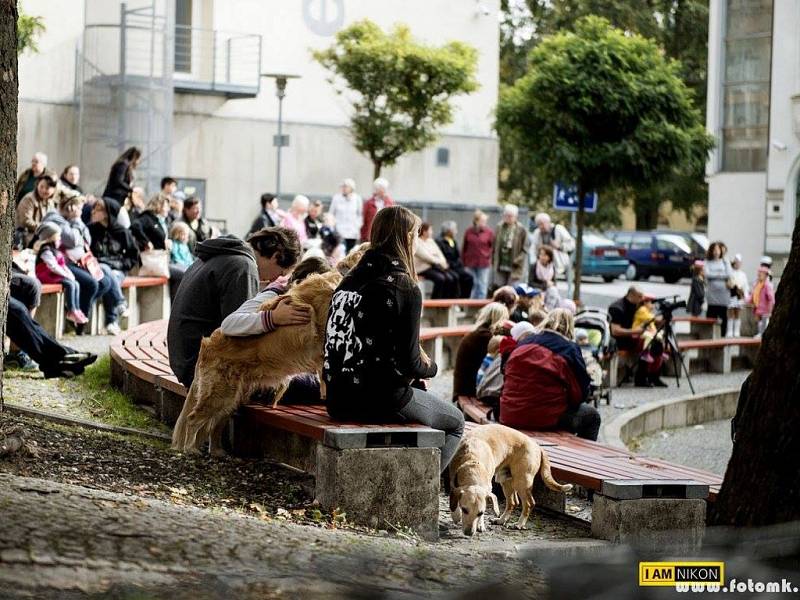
[{"x": 671, "y": 573}]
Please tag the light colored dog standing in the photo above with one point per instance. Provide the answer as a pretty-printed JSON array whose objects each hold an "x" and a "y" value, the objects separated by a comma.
[
  {"x": 230, "y": 369},
  {"x": 513, "y": 459}
]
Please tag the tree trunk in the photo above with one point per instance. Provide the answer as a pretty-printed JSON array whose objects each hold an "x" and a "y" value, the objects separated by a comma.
[
  {"x": 762, "y": 482},
  {"x": 647, "y": 213},
  {"x": 8, "y": 153},
  {"x": 580, "y": 221},
  {"x": 376, "y": 170}
]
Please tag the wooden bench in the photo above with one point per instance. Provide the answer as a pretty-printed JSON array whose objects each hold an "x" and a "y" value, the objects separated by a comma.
[
  {"x": 450, "y": 313},
  {"x": 147, "y": 298},
  {"x": 441, "y": 343},
  {"x": 718, "y": 355},
  {"x": 700, "y": 328}
]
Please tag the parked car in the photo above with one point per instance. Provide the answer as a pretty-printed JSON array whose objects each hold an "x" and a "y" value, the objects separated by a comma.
[
  {"x": 602, "y": 257},
  {"x": 655, "y": 253},
  {"x": 698, "y": 242}
]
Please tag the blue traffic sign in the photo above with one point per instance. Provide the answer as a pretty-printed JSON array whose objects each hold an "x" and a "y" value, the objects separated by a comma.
[{"x": 566, "y": 198}]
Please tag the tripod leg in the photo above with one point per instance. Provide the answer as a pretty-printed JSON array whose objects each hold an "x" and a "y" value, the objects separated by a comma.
[{"x": 677, "y": 357}]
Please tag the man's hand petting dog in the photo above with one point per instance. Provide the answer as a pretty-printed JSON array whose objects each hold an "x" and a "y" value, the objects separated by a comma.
[{"x": 287, "y": 313}]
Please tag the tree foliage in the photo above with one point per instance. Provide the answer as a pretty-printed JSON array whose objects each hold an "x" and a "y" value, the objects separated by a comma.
[
  {"x": 679, "y": 27},
  {"x": 604, "y": 109},
  {"x": 28, "y": 29},
  {"x": 399, "y": 88}
]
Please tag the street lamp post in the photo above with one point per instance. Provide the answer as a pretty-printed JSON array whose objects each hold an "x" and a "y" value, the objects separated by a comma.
[{"x": 279, "y": 141}]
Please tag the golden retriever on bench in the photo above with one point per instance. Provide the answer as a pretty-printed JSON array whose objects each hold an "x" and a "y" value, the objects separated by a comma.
[
  {"x": 230, "y": 369},
  {"x": 496, "y": 451}
]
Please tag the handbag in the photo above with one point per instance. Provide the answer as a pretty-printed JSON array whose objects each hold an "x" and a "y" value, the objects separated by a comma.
[
  {"x": 88, "y": 262},
  {"x": 155, "y": 263}
]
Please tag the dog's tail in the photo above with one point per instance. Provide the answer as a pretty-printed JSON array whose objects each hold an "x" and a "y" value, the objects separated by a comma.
[
  {"x": 547, "y": 476},
  {"x": 184, "y": 435}
]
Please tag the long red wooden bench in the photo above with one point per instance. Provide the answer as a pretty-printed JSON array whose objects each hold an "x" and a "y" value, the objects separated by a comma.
[
  {"x": 449, "y": 312},
  {"x": 589, "y": 464}
]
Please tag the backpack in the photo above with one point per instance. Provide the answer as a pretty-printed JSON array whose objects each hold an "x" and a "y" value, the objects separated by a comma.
[{"x": 491, "y": 386}]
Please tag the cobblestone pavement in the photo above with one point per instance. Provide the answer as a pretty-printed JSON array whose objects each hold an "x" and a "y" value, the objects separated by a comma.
[
  {"x": 63, "y": 541},
  {"x": 706, "y": 446}
]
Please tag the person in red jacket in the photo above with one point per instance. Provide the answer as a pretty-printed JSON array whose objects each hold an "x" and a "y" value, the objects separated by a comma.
[
  {"x": 380, "y": 199},
  {"x": 546, "y": 383},
  {"x": 477, "y": 254}
]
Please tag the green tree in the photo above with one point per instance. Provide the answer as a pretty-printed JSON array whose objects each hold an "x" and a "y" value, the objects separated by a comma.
[
  {"x": 603, "y": 109},
  {"x": 679, "y": 27},
  {"x": 28, "y": 29},
  {"x": 400, "y": 89}
]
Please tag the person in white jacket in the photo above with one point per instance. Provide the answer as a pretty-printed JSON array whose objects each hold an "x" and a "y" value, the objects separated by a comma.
[
  {"x": 430, "y": 263},
  {"x": 554, "y": 235},
  {"x": 347, "y": 212}
]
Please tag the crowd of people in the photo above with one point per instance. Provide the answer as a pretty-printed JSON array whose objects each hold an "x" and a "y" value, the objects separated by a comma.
[{"x": 88, "y": 244}]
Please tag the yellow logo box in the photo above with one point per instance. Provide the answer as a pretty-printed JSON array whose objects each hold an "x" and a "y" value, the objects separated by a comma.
[{"x": 670, "y": 573}]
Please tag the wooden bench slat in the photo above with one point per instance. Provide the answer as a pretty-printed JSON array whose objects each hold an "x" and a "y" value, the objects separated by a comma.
[
  {"x": 136, "y": 281},
  {"x": 718, "y": 343}
]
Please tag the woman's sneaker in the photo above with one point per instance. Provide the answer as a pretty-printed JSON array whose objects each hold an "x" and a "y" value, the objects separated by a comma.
[
  {"x": 20, "y": 360},
  {"x": 113, "y": 329},
  {"x": 122, "y": 310}
]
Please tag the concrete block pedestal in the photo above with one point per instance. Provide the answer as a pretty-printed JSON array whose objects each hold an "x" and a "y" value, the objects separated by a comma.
[
  {"x": 381, "y": 487},
  {"x": 651, "y": 515}
]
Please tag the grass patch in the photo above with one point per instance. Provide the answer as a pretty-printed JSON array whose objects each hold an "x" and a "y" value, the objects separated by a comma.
[{"x": 109, "y": 405}]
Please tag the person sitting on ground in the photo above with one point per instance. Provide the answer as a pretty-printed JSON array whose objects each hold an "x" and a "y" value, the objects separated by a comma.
[
  {"x": 179, "y": 253},
  {"x": 295, "y": 219},
  {"x": 374, "y": 369},
  {"x": 507, "y": 296},
  {"x": 528, "y": 299},
  {"x": 54, "y": 359},
  {"x": 226, "y": 274},
  {"x": 431, "y": 264},
  {"x": 27, "y": 290},
  {"x": 546, "y": 384},
  {"x": 51, "y": 267},
  {"x": 112, "y": 244},
  {"x": 447, "y": 244},
  {"x": 27, "y": 179},
  {"x": 34, "y": 206},
  {"x": 472, "y": 348}
]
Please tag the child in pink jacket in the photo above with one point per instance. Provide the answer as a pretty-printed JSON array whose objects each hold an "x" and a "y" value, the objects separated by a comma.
[
  {"x": 762, "y": 299},
  {"x": 51, "y": 267}
]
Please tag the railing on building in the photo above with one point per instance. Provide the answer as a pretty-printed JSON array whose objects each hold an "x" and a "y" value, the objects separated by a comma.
[{"x": 217, "y": 62}]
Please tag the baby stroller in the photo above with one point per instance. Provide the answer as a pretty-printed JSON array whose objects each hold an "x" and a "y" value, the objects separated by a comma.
[{"x": 598, "y": 350}]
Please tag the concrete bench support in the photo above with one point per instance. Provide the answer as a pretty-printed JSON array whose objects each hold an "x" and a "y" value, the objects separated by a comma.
[
  {"x": 50, "y": 314},
  {"x": 381, "y": 487},
  {"x": 651, "y": 515},
  {"x": 704, "y": 331}
]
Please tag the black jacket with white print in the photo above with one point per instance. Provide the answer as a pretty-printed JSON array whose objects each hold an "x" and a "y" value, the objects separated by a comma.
[{"x": 372, "y": 341}]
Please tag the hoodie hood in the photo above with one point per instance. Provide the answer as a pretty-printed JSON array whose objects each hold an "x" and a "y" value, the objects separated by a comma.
[
  {"x": 112, "y": 208},
  {"x": 223, "y": 245}
]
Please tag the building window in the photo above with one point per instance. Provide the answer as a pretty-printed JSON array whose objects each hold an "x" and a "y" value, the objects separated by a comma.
[
  {"x": 746, "y": 81},
  {"x": 183, "y": 36},
  {"x": 442, "y": 157}
]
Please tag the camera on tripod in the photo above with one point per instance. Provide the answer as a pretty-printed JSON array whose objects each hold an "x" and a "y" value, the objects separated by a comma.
[{"x": 668, "y": 304}]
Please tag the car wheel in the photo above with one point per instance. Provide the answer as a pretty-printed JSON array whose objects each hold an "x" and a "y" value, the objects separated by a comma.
[
  {"x": 609, "y": 278},
  {"x": 631, "y": 272},
  {"x": 672, "y": 278}
]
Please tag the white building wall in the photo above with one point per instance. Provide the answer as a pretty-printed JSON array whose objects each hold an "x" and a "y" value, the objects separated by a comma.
[
  {"x": 229, "y": 142},
  {"x": 736, "y": 214}
]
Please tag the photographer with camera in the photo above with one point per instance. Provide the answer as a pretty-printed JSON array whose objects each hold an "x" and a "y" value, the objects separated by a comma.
[{"x": 628, "y": 327}]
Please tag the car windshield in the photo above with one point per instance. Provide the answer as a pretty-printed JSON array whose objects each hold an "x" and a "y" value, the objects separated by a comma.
[
  {"x": 701, "y": 240},
  {"x": 592, "y": 240},
  {"x": 676, "y": 240}
]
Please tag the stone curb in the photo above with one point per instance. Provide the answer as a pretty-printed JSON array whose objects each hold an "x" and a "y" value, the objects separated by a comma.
[
  {"x": 670, "y": 413},
  {"x": 66, "y": 420}
]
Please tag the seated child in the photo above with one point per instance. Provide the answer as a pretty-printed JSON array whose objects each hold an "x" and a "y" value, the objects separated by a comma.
[
  {"x": 645, "y": 316},
  {"x": 491, "y": 353},
  {"x": 180, "y": 254},
  {"x": 51, "y": 267},
  {"x": 589, "y": 351}
]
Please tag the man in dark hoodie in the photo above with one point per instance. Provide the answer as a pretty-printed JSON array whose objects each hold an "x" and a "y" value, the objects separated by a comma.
[{"x": 226, "y": 274}]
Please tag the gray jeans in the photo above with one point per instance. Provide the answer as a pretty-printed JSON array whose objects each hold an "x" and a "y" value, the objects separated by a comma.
[{"x": 430, "y": 410}]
